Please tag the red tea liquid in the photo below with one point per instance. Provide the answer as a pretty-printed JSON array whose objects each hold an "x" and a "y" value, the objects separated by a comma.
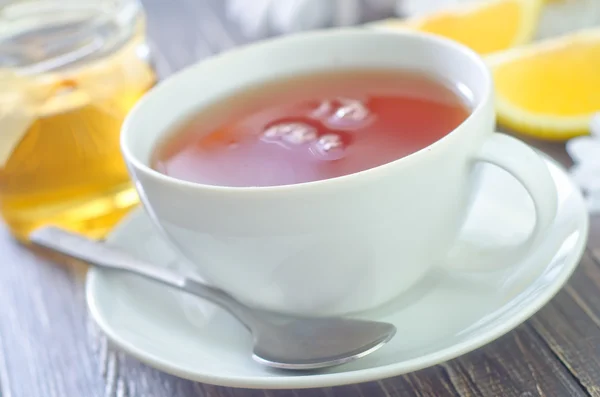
[{"x": 310, "y": 128}]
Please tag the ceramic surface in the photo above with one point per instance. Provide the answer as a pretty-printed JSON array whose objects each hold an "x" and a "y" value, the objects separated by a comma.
[
  {"x": 343, "y": 244},
  {"x": 443, "y": 316}
]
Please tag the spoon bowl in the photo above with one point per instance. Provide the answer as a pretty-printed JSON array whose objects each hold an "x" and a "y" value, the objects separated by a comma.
[{"x": 312, "y": 343}]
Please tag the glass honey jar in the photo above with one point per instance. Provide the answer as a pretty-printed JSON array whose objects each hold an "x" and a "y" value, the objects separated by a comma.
[{"x": 70, "y": 70}]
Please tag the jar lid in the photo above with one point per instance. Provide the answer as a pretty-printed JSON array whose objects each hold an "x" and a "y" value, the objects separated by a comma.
[{"x": 38, "y": 36}]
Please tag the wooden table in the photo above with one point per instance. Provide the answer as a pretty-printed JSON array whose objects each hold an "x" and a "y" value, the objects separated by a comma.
[{"x": 50, "y": 348}]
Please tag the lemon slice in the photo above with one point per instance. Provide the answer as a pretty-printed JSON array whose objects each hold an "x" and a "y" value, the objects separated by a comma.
[
  {"x": 550, "y": 89},
  {"x": 485, "y": 27}
]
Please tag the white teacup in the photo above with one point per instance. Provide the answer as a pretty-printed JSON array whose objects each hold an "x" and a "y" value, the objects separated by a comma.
[{"x": 338, "y": 245}]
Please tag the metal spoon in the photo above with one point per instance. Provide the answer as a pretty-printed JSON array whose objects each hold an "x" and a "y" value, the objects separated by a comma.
[{"x": 280, "y": 341}]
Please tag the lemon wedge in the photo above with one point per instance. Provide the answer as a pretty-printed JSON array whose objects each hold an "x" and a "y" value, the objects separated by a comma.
[
  {"x": 485, "y": 27},
  {"x": 549, "y": 89}
]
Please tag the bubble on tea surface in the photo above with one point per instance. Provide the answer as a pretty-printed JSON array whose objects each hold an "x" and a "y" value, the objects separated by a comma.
[
  {"x": 275, "y": 131},
  {"x": 350, "y": 114},
  {"x": 329, "y": 147},
  {"x": 291, "y": 133},
  {"x": 323, "y": 111}
]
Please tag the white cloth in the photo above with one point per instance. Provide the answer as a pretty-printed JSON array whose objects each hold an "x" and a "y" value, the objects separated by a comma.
[
  {"x": 257, "y": 18},
  {"x": 411, "y": 8},
  {"x": 585, "y": 152}
]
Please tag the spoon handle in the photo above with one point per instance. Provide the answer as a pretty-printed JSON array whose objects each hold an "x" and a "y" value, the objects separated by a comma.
[{"x": 101, "y": 255}]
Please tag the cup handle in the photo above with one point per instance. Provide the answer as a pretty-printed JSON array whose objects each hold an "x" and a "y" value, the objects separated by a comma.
[{"x": 525, "y": 165}]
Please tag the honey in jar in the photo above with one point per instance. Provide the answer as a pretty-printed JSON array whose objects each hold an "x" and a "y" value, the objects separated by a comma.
[{"x": 70, "y": 72}]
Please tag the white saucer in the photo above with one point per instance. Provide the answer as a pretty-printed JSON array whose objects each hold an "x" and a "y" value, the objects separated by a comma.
[{"x": 441, "y": 318}]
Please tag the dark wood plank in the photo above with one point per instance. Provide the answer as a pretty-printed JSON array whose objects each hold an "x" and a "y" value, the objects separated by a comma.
[
  {"x": 594, "y": 237},
  {"x": 570, "y": 324},
  {"x": 519, "y": 364},
  {"x": 44, "y": 349}
]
